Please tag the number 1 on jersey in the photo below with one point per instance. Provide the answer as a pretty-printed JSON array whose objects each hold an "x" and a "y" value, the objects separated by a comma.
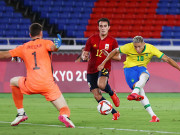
[{"x": 36, "y": 67}]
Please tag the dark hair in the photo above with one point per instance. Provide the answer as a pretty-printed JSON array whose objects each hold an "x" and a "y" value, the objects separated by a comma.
[
  {"x": 35, "y": 29},
  {"x": 104, "y": 20}
]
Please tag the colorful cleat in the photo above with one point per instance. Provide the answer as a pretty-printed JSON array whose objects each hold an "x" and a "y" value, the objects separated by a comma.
[
  {"x": 68, "y": 123},
  {"x": 116, "y": 116},
  {"x": 135, "y": 96},
  {"x": 115, "y": 99},
  {"x": 154, "y": 119},
  {"x": 19, "y": 118}
]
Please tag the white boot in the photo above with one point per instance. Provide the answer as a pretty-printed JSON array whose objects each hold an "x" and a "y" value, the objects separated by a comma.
[{"x": 19, "y": 118}]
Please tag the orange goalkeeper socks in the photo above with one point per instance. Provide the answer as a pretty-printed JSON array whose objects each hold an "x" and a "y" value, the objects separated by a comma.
[
  {"x": 17, "y": 97},
  {"x": 64, "y": 111}
]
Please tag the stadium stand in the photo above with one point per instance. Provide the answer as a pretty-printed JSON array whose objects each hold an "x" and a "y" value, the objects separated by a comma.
[
  {"x": 12, "y": 23},
  {"x": 71, "y": 16},
  {"x": 153, "y": 19},
  {"x": 148, "y": 18}
]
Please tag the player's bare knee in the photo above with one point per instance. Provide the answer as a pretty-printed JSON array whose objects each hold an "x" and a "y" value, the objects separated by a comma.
[
  {"x": 13, "y": 81},
  {"x": 101, "y": 86}
]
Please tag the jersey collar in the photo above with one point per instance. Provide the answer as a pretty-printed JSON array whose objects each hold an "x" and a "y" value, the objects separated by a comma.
[
  {"x": 144, "y": 49},
  {"x": 35, "y": 39},
  {"x": 103, "y": 38}
]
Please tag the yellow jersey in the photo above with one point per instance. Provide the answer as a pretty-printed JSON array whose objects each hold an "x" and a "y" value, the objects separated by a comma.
[{"x": 135, "y": 59}]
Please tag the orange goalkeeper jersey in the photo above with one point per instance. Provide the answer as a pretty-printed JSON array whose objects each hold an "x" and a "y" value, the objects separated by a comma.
[{"x": 36, "y": 56}]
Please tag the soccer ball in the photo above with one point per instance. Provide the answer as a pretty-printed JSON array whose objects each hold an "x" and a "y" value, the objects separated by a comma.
[{"x": 104, "y": 107}]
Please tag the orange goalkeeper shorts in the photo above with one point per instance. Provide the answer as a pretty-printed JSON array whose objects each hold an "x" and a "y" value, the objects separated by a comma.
[{"x": 50, "y": 95}]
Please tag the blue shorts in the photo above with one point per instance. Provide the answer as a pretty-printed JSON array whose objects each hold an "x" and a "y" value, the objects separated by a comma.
[
  {"x": 93, "y": 78},
  {"x": 132, "y": 74}
]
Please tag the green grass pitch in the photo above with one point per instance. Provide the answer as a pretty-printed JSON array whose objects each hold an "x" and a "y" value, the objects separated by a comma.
[{"x": 134, "y": 120}]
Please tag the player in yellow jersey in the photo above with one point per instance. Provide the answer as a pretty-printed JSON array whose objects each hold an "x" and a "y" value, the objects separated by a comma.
[
  {"x": 39, "y": 79},
  {"x": 138, "y": 55}
]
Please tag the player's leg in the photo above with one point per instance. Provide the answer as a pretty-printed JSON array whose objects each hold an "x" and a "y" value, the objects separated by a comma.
[
  {"x": 18, "y": 100},
  {"x": 98, "y": 96},
  {"x": 92, "y": 82},
  {"x": 147, "y": 106},
  {"x": 132, "y": 78},
  {"x": 55, "y": 96},
  {"x": 103, "y": 85},
  {"x": 64, "y": 111},
  {"x": 16, "y": 93},
  {"x": 141, "y": 83},
  {"x": 135, "y": 95}
]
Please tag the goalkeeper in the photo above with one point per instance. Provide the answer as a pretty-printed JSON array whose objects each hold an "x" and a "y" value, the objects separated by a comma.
[{"x": 39, "y": 79}]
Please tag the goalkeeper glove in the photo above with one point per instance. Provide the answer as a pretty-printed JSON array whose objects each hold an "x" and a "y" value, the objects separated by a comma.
[{"x": 58, "y": 41}]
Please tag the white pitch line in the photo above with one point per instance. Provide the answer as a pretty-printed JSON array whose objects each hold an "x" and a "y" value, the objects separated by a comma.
[{"x": 132, "y": 130}]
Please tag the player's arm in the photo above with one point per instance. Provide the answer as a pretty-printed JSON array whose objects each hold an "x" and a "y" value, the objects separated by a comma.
[
  {"x": 78, "y": 59},
  {"x": 116, "y": 57},
  {"x": 57, "y": 43},
  {"x": 170, "y": 61},
  {"x": 85, "y": 55},
  {"x": 110, "y": 56},
  {"x": 53, "y": 48},
  {"x": 5, "y": 55}
]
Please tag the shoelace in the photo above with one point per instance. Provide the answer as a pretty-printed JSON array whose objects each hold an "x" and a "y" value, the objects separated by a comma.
[{"x": 24, "y": 114}]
